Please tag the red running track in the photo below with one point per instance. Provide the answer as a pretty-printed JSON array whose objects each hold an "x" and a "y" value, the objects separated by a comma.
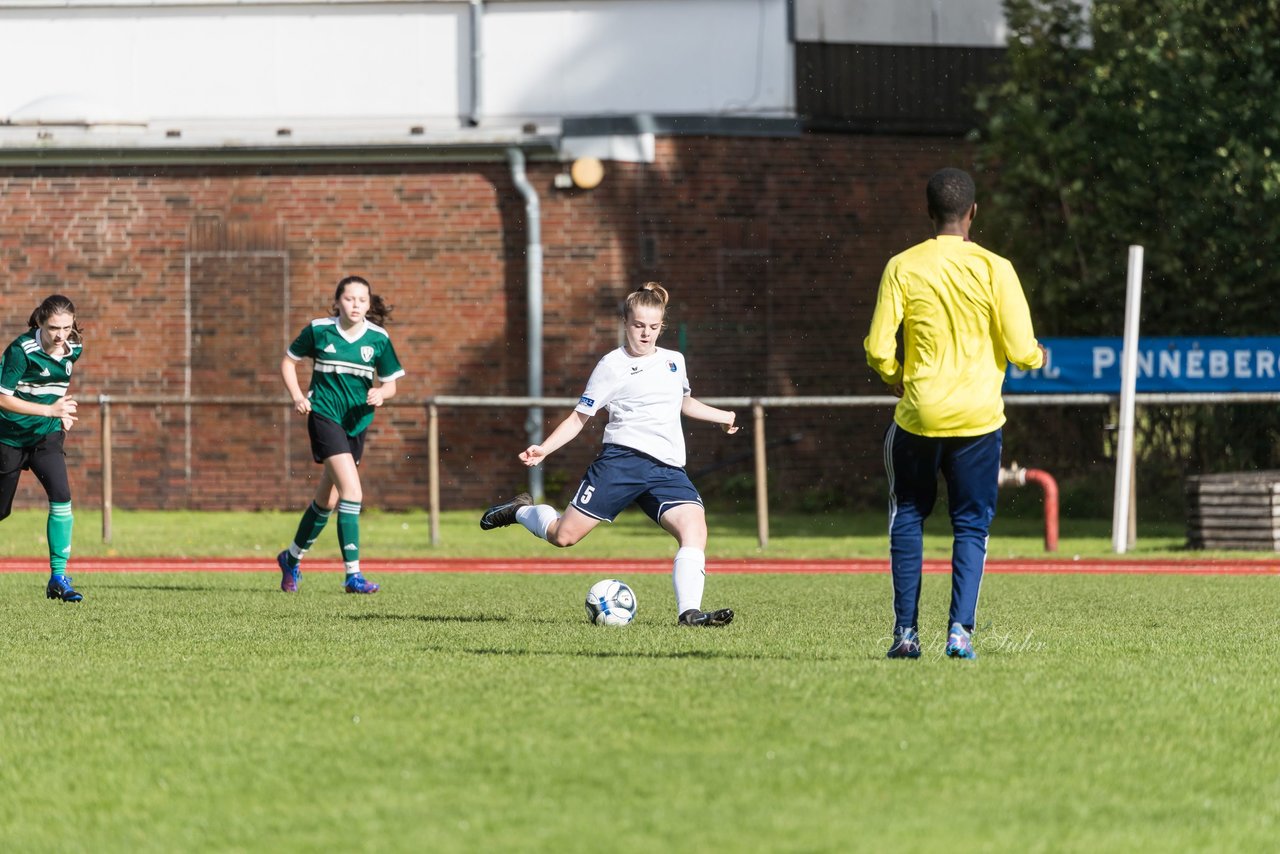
[{"x": 267, "y": 565}]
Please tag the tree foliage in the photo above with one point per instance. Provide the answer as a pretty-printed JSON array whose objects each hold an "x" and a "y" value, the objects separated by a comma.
[{"x": 1156, "y": 123}]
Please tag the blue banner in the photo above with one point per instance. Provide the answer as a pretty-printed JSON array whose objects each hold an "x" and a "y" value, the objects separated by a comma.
[{"x": 1092, "y": 365}]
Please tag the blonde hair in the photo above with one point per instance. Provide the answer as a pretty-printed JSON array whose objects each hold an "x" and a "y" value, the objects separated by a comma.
[{"x": 648, "y": 295}]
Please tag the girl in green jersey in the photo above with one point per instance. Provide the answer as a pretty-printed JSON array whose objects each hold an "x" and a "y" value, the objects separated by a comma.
[
  {"x": 351, "y": 350},
  {"x": 35, "y": 412}
]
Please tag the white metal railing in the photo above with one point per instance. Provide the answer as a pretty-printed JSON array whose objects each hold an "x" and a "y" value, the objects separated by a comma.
[{"x": 757, "y": 405}]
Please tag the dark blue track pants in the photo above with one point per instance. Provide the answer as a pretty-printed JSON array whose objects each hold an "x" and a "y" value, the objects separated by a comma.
[{"x": 970, "y": 465}]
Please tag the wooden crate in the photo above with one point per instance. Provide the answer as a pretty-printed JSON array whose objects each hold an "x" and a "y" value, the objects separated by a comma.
[{"x": 1239, "y": 510}]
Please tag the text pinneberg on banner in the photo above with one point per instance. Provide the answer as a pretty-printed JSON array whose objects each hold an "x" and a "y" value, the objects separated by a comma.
[{"x": 1092, "y": 365}]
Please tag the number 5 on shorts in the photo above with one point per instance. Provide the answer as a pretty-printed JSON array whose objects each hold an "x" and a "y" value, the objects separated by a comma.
[{"x": 585, "y": 496}]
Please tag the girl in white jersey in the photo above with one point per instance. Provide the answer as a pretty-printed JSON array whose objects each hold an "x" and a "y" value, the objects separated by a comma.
[
  {"x": 646, "y": 390},
  {"x": 351, "y": 350}
]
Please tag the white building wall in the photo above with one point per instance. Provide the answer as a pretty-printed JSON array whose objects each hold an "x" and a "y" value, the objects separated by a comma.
[
  {"x": 633, "y": 56},
  {"x": 208, "y": 62},
  {"x": 354, "y": 62}
]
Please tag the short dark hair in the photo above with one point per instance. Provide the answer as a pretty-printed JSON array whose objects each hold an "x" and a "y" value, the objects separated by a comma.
[{"x": 951, "y": 193}]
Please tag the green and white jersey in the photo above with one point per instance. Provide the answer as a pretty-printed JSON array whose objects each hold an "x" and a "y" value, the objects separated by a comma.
[
  {"x": 346, "y": 364},
  {"x": 29, "y": 373}
]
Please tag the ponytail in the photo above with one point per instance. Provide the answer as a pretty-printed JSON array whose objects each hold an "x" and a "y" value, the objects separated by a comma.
[
  {"x": 648, "y": 295},
  {"x": 379, "y": 312},
  {"x": 56, "y": 304}
]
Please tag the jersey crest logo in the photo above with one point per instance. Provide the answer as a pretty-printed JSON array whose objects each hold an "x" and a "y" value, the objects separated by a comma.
[
  {"x": 70, "y": 365},
  {"x": 366, "y": 353},
  {"x": 329, "y": 348},
  {"x": 671, "y": 366}
]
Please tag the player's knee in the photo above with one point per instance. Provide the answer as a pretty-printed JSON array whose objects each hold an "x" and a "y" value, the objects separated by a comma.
[
  {"x": 561, "y": 540},
  {"x": 689, "y": 533}
]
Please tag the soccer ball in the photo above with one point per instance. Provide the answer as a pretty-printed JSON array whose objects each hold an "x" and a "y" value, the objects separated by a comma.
[{"x": 611, "y": 603}]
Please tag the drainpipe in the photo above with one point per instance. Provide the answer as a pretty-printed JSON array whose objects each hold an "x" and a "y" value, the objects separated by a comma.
[
  {"x": 477, "y": 54},
  {"x": 533, "y": 289},
  {"x": 1015, "y": 476}
]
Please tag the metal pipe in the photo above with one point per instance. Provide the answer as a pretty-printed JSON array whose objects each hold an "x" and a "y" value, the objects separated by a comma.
[
  {"x": 1128, "y": 388},
  {"x": 433, "y": 471},
  {"x": 853, "y": 401},
  {"x": 762, "y": 476},
  {"x": 888, "y": 401},
  {"x": 533, "y": 288},
  {"x": 105, "y": 414},
  {"x": 477, "y": 65},
  {"x": 1049, "y": 486},
  {"x": 1016, "y": 476}
]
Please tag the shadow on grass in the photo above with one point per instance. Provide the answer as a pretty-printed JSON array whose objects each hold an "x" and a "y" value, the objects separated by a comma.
[
  {"x": 431, "y": 618},
  {"x": 691, "y": 654},
  {"x": 184, "y": 588}
]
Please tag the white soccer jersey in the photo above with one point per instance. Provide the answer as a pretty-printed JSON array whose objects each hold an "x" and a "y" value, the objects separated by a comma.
[{"x": 643, "y": 396}]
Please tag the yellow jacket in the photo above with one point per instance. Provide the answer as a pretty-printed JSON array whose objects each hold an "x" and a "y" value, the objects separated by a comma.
[{"x": 964, "y": 317}]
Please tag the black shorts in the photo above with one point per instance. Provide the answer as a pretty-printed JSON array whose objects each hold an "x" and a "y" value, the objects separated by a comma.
[
  {"x": 328, "y": 439},
  {"x": 45, "y": 459}
]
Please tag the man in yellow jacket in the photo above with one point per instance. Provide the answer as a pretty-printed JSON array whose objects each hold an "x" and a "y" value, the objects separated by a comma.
[{"x": 964, "y": 317}]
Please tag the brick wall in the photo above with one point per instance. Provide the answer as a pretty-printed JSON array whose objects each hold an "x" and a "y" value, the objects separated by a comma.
[{"x": 196, "y": 279}]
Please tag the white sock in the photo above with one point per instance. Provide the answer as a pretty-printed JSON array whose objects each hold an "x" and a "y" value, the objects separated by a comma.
[
  {"x": 688, "y": 576},
  {"x": 537, "y": 518}
]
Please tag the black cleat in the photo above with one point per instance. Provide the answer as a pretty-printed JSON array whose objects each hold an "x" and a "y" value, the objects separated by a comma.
[
  {"x": 694, "y": 617},
  {"x": 502, "y": 515}
]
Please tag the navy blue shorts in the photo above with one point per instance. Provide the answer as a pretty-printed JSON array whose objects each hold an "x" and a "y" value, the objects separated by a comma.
[
  {"x": 328, "y": 439},
  {"x": 620, "y": 476}
]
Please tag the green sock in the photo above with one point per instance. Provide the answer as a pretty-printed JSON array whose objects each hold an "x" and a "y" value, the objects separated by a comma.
[
  {"x": 313, "y": 521},
  {"x": 349, "y": 535},
  {"x": 58, "y": 531}
]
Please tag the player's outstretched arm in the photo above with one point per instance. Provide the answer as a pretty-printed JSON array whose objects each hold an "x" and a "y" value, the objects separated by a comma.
[
  {"x": 289, "y": 372},
  {"x": 561, "y": 436},
  {"x": 63, "y": 408},
  {"x": 699, "y": 411}
]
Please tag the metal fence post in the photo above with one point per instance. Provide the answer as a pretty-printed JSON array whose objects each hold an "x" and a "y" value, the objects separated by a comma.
[
  {"x": 433, "y": 471},
  {"x": 762, "y": 475},
  {"x": 105, "y": 415}
]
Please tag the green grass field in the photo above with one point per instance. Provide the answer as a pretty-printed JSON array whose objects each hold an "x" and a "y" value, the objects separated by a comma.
[
  {"x": 479, "y": 712},
  {"x": 451, "y": 712}
]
